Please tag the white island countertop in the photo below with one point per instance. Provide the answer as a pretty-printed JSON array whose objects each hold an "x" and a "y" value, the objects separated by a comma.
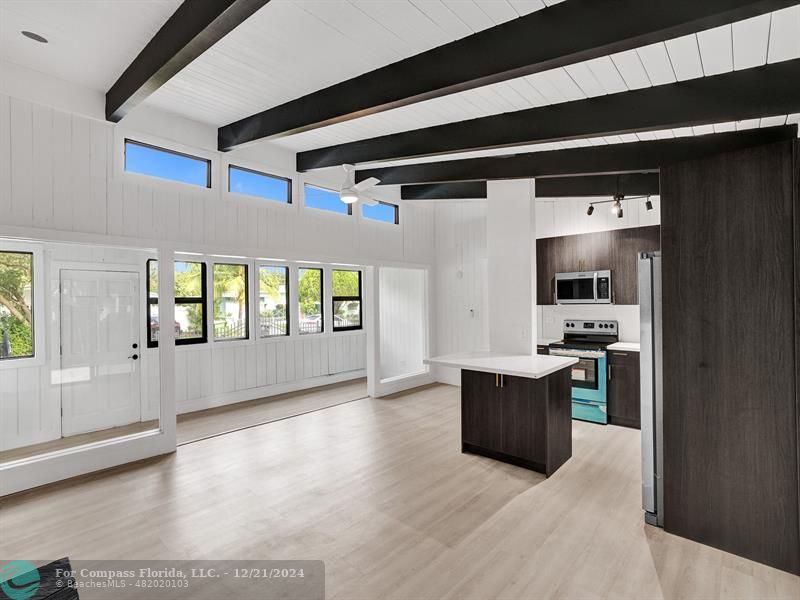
[{"x": 520, "y": 365}]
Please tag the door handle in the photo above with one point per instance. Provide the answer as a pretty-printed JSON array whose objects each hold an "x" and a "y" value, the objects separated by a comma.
[{"x": 134, "y": 356}]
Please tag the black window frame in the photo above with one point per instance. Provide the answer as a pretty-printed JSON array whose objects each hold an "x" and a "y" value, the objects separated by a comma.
[
  {"x": 33, "y": 307},
  {"x": 256, "y": 172},
  {"x": 321, "y": 300},
  {"x": 324, "y": 189},
  {"x": 288, "y": 311},
  {"x": 246, "y": 301},
  {"x": 396, "y": 213},
  {"x": 168, "y": 151},
  {"x": 359, "y": 298},
  {"x": 202, "y": 300}
]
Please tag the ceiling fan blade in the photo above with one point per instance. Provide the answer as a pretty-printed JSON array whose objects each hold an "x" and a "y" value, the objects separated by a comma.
[
  {"x": 366, "y": 184},
  {"x": 350, "y": 176},
  {"x": 368, "y": 201}
]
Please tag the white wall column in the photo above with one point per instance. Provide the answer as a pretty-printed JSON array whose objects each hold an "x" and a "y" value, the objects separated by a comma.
[{"x": 511, "y": 250}]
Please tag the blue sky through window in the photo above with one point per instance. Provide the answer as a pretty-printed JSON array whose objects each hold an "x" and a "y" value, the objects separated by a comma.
[
  {"x": 251, "y": 183},
  {"x": 155, "y": 162},
  {"x": 324, "y": 200},
  {"x": 379, "y": 212}
]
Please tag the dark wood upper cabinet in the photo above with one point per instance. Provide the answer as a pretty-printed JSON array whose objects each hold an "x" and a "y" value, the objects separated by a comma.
[
  {"x": 616, "y": 250},
  {"x": 730, "y": 320}
]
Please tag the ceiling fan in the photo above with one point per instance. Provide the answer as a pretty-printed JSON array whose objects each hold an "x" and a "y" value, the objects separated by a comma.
[{"x": 351, "y": 191}]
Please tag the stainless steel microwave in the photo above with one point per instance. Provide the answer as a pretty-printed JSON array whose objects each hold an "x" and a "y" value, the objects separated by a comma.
[{"x": 586, "y": 287}]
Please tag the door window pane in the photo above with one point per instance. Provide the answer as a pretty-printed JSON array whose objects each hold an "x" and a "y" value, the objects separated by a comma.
[
  {"x": 309, "y": 292},
  {"x": 16, "y": 305},
  {"x": 230, "y": 302},
  {"x": 273, "y": 289},
  {"x": 346, "y": 300}
]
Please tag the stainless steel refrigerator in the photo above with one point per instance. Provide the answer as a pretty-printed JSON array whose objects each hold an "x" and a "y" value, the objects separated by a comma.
[{"x": 652, "y": 387}]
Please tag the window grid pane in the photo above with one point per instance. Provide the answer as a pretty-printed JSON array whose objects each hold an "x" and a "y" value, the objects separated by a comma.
[
  {"x": 262, "y": 185},
  {"x": 190, "y": 303},
  {"x": 328, "y": 200},
  {"x": 16, "y": 305},
  {"x": 346, "y": 300},
  {"x": 230, "y": 302},
  {"x": 273, "y": 290},
  {"x": 166, "y": 164},
  {"x": 309, "y": 291},
  {"x": 384, "y": 212}
]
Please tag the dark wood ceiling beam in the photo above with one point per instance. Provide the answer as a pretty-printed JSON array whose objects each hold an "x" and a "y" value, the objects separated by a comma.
[
  {"x": 758, "y": 92},
  {"x": 636, "y": 157},
  {"x": 629, "y": 184},
  {"x": 459, "y": 190},
  {"x": 192, "y": 29},
  {"x": 567, "y": 33}
]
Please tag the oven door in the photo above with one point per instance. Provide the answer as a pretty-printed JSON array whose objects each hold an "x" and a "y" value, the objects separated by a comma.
[
  {"x": 576, "y": 288},
  {"x": 586, "y": 372}
]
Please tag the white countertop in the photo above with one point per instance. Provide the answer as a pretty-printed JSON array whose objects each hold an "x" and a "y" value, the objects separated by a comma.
[
  {"x": 629, "y": 346},
  {"x": 520, "y": 365}
]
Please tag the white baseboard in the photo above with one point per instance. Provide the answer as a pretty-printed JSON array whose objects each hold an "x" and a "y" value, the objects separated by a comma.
[
  {"x": 266, "y": 391},
  {"x": 401, "y": 384}
]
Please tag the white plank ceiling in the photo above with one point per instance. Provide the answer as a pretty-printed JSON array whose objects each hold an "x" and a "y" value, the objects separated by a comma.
[
  {"x": 91, "y": 42},
  {"x": 269, "y": 60},
  {"x": 291, "y": 48}
]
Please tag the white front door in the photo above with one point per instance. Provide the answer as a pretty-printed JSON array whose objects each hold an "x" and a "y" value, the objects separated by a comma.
[{"x": 99, "y": 339}]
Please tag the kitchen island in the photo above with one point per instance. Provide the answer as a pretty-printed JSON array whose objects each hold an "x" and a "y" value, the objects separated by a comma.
[{"x": 515, "y": 408}]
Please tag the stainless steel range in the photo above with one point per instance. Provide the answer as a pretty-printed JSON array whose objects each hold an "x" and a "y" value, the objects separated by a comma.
[{"x": 587, "y": 340}]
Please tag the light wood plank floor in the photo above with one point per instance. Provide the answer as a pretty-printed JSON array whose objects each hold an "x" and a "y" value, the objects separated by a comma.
[
  {"x": 379, "y": 490},
  {"x": 205, "y": 423}
]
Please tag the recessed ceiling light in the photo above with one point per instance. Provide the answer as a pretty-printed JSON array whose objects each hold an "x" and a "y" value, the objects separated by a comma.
[{"x": 34, "y": 36}]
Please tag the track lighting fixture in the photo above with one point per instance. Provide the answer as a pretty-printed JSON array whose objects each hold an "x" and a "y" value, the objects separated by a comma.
[{"x": 616, "y": 204}]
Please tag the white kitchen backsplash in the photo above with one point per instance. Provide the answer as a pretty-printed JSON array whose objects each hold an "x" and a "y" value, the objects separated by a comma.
[{"x": 551, "y": 318}]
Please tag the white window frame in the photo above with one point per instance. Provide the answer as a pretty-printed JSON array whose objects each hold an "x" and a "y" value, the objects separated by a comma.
[
  {"x": 120, "y": 174},
  {"x": 38, "y": 309}
]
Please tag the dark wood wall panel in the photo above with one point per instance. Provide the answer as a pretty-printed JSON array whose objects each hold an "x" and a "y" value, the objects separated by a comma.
[
  {"x": 615, "y": 250},
  {"x": 730, "y": 404}
]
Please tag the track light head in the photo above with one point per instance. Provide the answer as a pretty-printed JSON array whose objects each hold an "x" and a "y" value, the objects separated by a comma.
[
  {"x": 619, "y": 213},
  {"x": 648, "y": 204},
  {"x": 590, "y": 210}
]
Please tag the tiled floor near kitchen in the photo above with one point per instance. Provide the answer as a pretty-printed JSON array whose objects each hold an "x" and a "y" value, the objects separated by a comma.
[{"x": 379, "y": 490}]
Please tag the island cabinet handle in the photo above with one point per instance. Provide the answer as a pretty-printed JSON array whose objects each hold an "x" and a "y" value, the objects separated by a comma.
[
  {"x": 609, "y": 372},
  {"x": 620, "y": 353},
  {"x": 498, "y": 380}
]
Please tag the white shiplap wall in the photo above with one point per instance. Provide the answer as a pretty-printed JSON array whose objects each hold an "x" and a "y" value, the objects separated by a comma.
[
  {"x": 460, "y": 284},
  {"x": 59, "y": 172},
  {"x": 403, "y": 321}
]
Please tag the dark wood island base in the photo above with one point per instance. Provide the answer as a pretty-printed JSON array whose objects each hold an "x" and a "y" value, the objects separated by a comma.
[{"x": 518, "y": 420}]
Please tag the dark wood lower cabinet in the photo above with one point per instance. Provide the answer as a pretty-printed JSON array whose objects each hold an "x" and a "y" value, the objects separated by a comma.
[
  {"x": 624, "y": 390},
  {"x": 522, "y": 421}
]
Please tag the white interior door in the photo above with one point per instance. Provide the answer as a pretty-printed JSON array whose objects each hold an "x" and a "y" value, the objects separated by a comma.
[{"x": 100, "y": 381}]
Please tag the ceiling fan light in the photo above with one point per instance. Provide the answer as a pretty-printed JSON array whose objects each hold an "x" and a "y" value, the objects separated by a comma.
[{"x": 348, "y": 196}]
